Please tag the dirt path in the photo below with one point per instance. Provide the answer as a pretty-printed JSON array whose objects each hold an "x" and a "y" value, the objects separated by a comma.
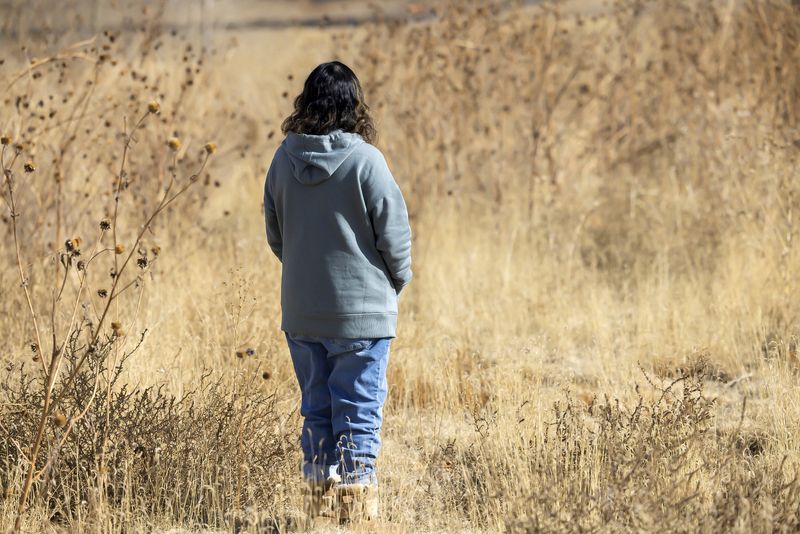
[
  {"x": 215, "y": 17},
  {"x": 206, "y": 16}
]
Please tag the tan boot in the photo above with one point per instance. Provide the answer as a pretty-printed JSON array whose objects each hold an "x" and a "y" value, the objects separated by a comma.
[
  {"x": 357, "y": 502},
  {"x": 319, "y": 499}
]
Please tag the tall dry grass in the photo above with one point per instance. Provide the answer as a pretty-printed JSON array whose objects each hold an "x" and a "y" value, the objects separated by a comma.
[{"x": 602, "y": 333}]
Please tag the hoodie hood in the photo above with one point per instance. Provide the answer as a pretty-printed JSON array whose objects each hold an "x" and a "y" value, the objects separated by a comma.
[{"x": 314, "y": 158}]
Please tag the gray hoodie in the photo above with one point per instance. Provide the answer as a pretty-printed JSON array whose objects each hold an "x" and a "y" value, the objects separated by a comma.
[{"x": 337, "y": 221}]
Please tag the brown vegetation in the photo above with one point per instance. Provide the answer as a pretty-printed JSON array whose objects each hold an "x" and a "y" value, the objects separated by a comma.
[{"x": 602, "y": 333}]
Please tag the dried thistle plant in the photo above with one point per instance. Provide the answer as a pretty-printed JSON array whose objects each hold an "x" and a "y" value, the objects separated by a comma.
[{"x": 588, "y": 189}]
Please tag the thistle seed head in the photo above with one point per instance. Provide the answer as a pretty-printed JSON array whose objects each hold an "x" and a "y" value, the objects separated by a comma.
[
  {"x": 116, "y": 328},
  {"x": 73, "y": 244}
]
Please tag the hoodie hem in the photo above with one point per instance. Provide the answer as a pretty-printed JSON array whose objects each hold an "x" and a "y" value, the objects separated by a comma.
[{"x": 352, "y": 326}]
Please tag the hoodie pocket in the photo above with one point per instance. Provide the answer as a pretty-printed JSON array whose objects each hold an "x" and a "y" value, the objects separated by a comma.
[{"x": 379, "y": 294}]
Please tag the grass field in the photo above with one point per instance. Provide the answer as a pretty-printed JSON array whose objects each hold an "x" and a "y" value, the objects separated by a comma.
[{"x": 602, "y": 332}]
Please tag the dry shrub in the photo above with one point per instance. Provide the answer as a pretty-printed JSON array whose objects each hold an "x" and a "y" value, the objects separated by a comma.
[
  {"x": 100, "y": 139},
  {"x": 196, "y": 459},
  {"x": 656, "y": 465},
  {"x": 699, "y": 364}
]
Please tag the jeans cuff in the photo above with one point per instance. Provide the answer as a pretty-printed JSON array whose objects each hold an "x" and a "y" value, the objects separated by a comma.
[{"x": 320, "y": 472}]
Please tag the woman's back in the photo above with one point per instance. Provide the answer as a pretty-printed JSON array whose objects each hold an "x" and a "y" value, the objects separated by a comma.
[{"x": 344, "y": 238}]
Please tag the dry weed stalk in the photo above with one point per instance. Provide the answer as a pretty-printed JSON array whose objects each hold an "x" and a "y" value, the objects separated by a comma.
[
  {"x": 587, "y": 190},
  {"x": 70, "y": 120},
  {"x": 51, "y": 365}
]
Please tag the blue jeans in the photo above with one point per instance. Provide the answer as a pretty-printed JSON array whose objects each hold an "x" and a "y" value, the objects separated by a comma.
[{"x": 343, "y": 386}]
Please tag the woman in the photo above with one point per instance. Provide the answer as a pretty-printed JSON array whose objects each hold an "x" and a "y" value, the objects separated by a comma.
[{"x": 338, "y": 223}]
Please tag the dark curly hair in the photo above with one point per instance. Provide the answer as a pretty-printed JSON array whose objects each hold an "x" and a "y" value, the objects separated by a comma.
[{"x": 331, "y": 100}]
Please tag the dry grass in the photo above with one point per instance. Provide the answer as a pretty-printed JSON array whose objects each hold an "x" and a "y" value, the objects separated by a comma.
[{"x": 603, "y": 329}]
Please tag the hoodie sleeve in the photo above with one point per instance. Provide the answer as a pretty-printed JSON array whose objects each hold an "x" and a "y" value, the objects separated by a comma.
[
  {"x": 274, "y": 236},
  {"x": 389, "y": 217}
]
